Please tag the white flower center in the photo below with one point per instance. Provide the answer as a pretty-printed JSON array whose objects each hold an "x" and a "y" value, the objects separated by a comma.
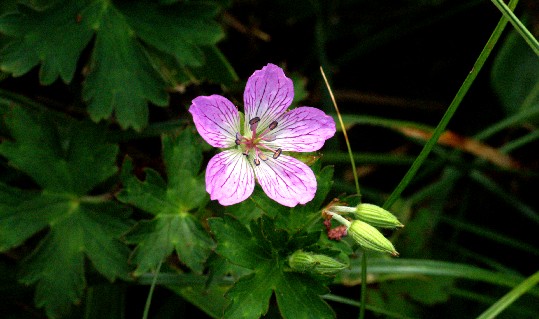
[{"x": 256, "y": 143}]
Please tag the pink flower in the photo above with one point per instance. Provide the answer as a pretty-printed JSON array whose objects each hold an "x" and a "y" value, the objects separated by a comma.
[{"x": 256, "y": 150}]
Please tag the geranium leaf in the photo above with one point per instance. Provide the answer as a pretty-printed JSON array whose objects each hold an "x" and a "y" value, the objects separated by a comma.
[
  {"x": 121, "y": 78},
  {"x": 58, "y": 157},
  {"x": 193, "y": 26},
  {"x": 237, "y": 244},
  {"x": 173, "y": 228},
  {"x": 130, "y": 58},
  {"x": 55, "y": 153},
  {"x": 263, "y": 249},
  {"x": 166, "y": 233},
  {"x": 57, "y": 266},
  {"x": 52, "y": 37}
]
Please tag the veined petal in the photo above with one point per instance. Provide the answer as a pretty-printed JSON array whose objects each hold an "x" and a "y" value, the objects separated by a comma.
[
  {"x": 229, "y": 177},
  {"x": 286, "y": 180},
  {"x": 267, "y": 95},
  {"x": 217, "y": 120},
  {"x": 304, "y": 129}
]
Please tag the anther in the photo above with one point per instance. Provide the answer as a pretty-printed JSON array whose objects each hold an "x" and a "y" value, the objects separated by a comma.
[
  {"x": 254, "y": 120},
  {"x": 254, "y": 123},
  {"x": 246, "y": 152},
  {"x": 263, "y": 156},
  {"x": 273, "y": 125},
  {"x": 257, "y": 161},
  {"x": 277, "y": 153}
]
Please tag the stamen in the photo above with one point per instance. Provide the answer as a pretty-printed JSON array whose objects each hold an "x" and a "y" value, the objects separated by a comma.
[
  {"x": 273, "y": 125},
  {"x": 254, "y": 120},
  {"x": 246, "y": 152},
  {"x": 257, "y": 161},
  {"x": 254, "y": 124},
  {"x": 277, "y": 153},
  {"x": 270, "y": 138}
]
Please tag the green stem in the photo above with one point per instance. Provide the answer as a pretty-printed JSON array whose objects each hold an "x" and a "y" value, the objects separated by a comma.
[
  {"x": 354, "y": 170},
  {"x": 150, "y": 294},
  {"x": 478, "y": 65},
  {"x": 340, "y": 219},
  {"x": 363, "y": 297},
  {"x": 524, "y": 32},
  {"x": 510, "y": 297}
]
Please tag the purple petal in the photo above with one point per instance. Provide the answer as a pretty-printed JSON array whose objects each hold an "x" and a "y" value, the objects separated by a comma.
[
  {"x": 229, "y": 177},
  {"x": 286, "y": 180},
  {"x": 267, "y": 95},
  {"x": 304, "y": 129},
  {"x": 217, "y": 120}
]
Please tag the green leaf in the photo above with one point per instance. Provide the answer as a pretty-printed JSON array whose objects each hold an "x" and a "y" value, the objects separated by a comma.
[
  {"x": 178, "y": 30},
  {"x": 250, "y": 295},
  {"x": 58, "y": 157},
  {"x": 164, "y": 234},
  {"x": 236, "y": 243},
  {"x": 298, "y": 296},
  {"x": 76, "y": 230},
  {"x": 55, "y": 153},
  {"x": 263, "y": 249},
  {"x": 121, "y": 78},
  {"x": 173, "y": 228},
  {"x": 52, "y": 37}
]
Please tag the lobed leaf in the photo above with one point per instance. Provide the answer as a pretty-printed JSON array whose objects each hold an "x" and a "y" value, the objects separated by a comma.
[
  {"x": 263, "y": 249},
  {"x": 173, "y": 228},
  {"x": 121, "y": 79},
  {"x": 52, "y": 37},
  {"x": 57, "y": 157}
]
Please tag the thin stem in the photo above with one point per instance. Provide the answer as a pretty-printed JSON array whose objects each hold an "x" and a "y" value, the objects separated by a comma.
[
  {"x": 478, "y": 65},
  {"x": 150, "y": 294},
  {"x": 356, "y": 180},
  {"x": 340, "y": 219},
  {"x": 354, "y": 171},
  {"x": 363, "y": 297},
  {"x": 524, "y": 32}
]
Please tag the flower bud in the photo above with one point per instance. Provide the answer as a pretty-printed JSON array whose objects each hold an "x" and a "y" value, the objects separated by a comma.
[
  {"x": 309, "y": 262},
  {"x": 369, "y": 237},
  {"x": 376, "y": 216}
]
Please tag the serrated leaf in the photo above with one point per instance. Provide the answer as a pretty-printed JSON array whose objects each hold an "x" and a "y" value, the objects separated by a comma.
[
  {"x": 167, "y": 233},
  {"x": 52, "y": 37},
  {"x": 173, "y": 228},
  {"x": 250, "y": 295},
  {"x": 236, "y": 243},
  {"x": 57, "y": 266},
  {"x": 55, "y": 153},
  {"x": 261, "y": 249},
  {"x": 58, "y": 157},
  {"x": 121, "y": 78},
  {"x": 192, "y": 26},
  {"x": 298, "y": 297}
]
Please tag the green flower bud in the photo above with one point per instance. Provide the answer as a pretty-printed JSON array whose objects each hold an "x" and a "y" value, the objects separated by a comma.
[
  {"x": 376, "y": 216},
  {"x": 369, "y": 237},
  {"x": 314, "y": 263}
]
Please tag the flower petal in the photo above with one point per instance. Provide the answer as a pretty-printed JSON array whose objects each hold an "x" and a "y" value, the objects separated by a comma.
[
  {"x": 304, "y": 129},
  {"x": 286, "y": 180},
  {"x": 217, "y": 120},
  {"x": 267, "y": 95},
  {"x": 229, "y": 177}
]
